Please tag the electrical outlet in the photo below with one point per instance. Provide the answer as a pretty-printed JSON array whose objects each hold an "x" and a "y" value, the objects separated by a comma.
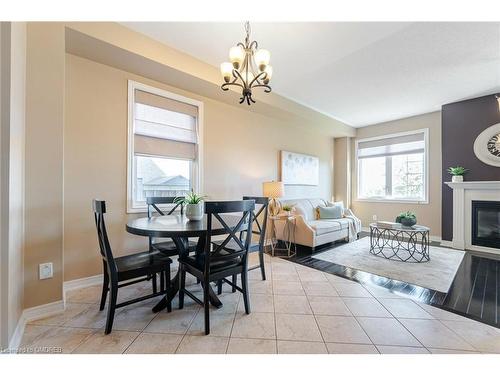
[
  {"x": 374, "y": 217},
  {"x": 45, "y": 271}
]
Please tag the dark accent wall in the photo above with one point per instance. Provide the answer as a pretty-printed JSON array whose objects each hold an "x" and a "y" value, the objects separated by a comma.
[{"x": 461, "y": 123}]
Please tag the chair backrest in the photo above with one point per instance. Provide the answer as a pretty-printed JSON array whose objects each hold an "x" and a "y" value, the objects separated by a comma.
[
  {"x": 214, "y": 210},
  {"x": 153, "y": 203},
  {"x": 99, "y": 208},
  {"x": 260, "y": 218}
]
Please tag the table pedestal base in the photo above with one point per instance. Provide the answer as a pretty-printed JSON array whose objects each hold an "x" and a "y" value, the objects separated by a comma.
[{"x": 182, "y": 245}]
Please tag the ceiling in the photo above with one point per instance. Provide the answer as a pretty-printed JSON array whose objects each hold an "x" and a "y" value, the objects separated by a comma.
[{"x": 360, "y": 73}]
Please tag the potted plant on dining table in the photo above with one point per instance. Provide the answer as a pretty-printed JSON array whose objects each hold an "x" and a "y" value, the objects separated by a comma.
[{"x": 194, "y": 204}]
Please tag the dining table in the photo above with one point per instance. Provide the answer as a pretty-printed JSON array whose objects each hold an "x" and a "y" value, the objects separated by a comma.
[{"x": 179, "y": 228}]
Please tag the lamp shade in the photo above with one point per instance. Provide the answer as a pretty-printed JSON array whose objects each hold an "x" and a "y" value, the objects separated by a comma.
[{"x": 273, "y": 189}]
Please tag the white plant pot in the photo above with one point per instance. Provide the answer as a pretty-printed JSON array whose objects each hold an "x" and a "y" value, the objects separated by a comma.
[
  {"x": 457, "y": 178},
  {"x": 195, "y": 212}
]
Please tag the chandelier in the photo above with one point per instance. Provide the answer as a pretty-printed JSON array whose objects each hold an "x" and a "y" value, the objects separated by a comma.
[{"x": 249, "y": 68}]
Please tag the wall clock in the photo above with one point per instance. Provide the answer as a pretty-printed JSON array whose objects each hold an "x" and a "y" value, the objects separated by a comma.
[{"x": 487, "y": 145}]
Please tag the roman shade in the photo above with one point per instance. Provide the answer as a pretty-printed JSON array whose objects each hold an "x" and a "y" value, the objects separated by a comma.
[
  {"x": 164, "y": 127},
  {"x": 404, "y": 144},
  {"x": 164, "y": 147}
]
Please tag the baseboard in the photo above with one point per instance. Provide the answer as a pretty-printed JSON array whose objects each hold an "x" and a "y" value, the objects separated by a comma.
[
  {"x": 82, "y": 283},
  {"x": 43, "y": 311},
  {"x": 447, "y": 243},
  {"x": 17, "y": 337},
  {"x": 32, "y": 314},
  {"x": 49, "y": 309}
]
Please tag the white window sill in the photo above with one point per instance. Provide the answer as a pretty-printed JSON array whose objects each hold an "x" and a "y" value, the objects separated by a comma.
[
  {"x": 141, "y": 210},
  {"x": 382, "y": 200},
  {"x": 144, "y": 209}
]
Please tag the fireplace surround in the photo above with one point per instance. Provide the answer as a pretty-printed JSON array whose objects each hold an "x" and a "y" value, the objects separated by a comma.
[{"x": 464, "y": 194}]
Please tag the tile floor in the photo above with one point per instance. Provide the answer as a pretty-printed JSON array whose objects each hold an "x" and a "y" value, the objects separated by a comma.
[{"x": 297, "y": 310}]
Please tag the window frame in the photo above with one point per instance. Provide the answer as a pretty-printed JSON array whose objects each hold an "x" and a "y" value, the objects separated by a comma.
[
  {"x": 196, "y": 172},
  {"x": 425, "y": 200}
]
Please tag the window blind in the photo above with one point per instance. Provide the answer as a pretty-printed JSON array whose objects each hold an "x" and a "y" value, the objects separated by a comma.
[
  {"x": 405, "y": 144},
  {"x": 164, "y": 126}
]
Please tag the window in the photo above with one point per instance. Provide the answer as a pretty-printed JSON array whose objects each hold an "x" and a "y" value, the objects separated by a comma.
[
  {"x": 393, "y": 167},
  {"x": 163, "y": 145}
]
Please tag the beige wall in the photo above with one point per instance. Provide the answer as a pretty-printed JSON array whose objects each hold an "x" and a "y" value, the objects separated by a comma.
[
  {"x": 13, "y": 51},
  {"x": 427, "y": 214},
  {"x": 241, "y": 150},
  {"x": 44, "y": 161}
]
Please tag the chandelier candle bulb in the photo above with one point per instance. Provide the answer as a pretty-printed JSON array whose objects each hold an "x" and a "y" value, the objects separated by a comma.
[
  {"x": 262, "y": 58},
  {"x": 236, "y": 55},
  {"x": 269, "y": 74},
  {"x": 226, "y": 70}
]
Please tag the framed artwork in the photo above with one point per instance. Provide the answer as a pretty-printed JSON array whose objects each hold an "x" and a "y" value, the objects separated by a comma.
[
  {"x": 487, "y": 146},
  {"x": 299, "y": 169}
]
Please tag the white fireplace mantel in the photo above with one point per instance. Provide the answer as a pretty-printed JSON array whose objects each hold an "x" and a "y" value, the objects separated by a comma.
[
  {"x": 475, "y": 185},
  {"x": 463, "y": 195}
]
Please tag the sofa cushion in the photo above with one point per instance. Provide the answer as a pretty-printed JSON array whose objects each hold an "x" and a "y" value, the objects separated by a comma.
[
  {"x": 325, "y": 226},
  {"x": 329, "y": 225}
]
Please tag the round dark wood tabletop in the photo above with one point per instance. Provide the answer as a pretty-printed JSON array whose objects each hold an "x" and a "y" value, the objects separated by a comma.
[{"x": 178, "y": 226}]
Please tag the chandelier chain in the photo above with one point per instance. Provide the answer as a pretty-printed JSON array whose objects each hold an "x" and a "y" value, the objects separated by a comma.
[{"x": 247, "y": 31}]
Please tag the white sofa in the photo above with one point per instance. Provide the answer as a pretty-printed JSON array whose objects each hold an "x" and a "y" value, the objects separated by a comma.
[{"x": 310, "y": 231}]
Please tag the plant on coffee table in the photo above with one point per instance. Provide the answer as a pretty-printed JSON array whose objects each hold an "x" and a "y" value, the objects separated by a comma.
[{"x": 407, "y": 218}]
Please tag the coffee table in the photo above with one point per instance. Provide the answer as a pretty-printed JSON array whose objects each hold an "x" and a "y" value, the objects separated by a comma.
[{"x": 405, "y": 244}]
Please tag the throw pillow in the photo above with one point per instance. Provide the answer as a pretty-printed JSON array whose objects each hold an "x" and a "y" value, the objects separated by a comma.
[
  {"x": 339, "y": 203},
  {"x": 333, "y": 212}
]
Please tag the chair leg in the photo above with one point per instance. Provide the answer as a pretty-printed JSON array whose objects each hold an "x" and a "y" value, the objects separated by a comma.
[
  {"x": 244, "y": 286},
  {"x": 105, "y": 287},
  {"x": 182, "y": 284},
  {"x": 219, "y": 287},
  {"x": 261, "y": 261},
  {"x": 162, "y": 281},
  {"x": 111, "y": 307},
  {"x": 153, "y": 280},
  {"x": 235, "y": 280},
  {"x": 168, "y": 289},
  {"x": 206, "y": 306}
]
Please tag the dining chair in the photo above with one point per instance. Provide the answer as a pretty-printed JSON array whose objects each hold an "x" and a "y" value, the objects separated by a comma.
[
  {"x": 165, "y": 246},
  {"x": 126, "y": 270},
  {"x": 216, "y": 262},
  {"x": 256, "y": 244}
]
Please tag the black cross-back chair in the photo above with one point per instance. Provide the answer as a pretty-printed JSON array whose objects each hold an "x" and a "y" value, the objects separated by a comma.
[
  {"x": 167, "y": 247},
  {"x": 217, "y": 262},
  {"x": 259, "y": 229},
  {"x": 135, "y": 267}
]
